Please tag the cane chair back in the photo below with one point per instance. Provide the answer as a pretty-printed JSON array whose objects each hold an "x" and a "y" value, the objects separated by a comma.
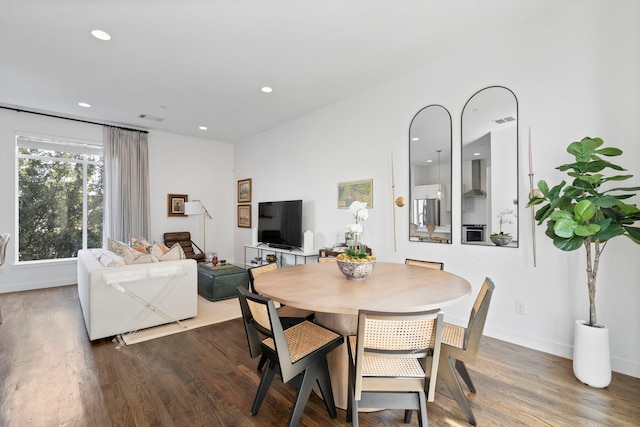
[
  {"x": 460, "y": 346},
  {"x": 428, "y": 264},
  {"x": 299, "y": 350},
  {"x": 256, "y": 272},
  {"x": 327, "y": 259},
  {"x": 394, "y": 361}
]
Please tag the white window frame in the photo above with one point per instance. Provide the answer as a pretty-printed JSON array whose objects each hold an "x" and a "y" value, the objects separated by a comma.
[{"x": 46, "y": 142}]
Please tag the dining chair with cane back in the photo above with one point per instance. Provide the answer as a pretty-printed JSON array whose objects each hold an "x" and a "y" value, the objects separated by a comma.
[
  {"x": 427, "y": 264},
  {"x": 460, "y": 346},
  {"x": 430, "y": 229},
  {"x": 327, "y": 259},
  {"x": 289, "y": 316},
  {"x": 4, "y": 241},
  {"x": 393, "y": 362},
  {"x": 298, "y": 354}
]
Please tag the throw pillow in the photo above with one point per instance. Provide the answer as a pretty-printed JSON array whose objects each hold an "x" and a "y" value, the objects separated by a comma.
[
  {"x": 107, "y": 258},
  {"x": 175, "y": 253},
  {"x": 123, "y": 250},
  {"x": 159, "y": 249}
]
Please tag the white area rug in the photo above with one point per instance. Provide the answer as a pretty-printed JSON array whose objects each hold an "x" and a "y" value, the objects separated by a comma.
[{"x": 209, "y": 312}]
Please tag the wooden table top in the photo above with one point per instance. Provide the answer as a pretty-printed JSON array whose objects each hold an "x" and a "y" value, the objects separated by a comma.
[{"x": 395, "y": 287}]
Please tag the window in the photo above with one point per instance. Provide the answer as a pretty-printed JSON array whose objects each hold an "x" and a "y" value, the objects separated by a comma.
[{"x": 60, "y": 203}]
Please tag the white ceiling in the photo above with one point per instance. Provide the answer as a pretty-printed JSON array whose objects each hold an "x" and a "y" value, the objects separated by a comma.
[{"x": 203, "y": 62}]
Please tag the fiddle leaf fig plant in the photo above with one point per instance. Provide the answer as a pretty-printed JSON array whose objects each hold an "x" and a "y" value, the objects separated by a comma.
[{"x": 583, "y": 214}]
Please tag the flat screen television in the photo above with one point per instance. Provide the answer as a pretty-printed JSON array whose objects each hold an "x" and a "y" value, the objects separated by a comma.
[{"x": 280, "y": 224}]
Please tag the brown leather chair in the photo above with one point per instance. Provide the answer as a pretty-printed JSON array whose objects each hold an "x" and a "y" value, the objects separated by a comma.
[{"x": 184, "y": 239}]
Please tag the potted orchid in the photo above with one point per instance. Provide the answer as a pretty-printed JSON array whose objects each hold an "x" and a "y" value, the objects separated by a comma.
[
  {"x": 502, "y": 238},
  {"x": 355, "y": 263}
]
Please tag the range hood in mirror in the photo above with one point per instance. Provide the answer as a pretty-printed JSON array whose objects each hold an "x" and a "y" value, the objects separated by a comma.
[{"x": 476, "y": 190}]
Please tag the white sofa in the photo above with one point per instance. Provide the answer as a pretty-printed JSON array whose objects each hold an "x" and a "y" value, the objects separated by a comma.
[{"x": 121, "y": 299}]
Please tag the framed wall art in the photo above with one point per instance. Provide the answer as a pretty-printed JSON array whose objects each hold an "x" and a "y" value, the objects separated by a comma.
[
  {"x": 244, "y": 216},
  {"x": 361, "y": 191},
  {"x": 175, "y": 204},
  {"x": 244, "y": 191}
]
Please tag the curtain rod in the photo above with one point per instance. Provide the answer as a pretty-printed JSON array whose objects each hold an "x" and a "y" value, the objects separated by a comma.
[{"x": 19, "y": 110}]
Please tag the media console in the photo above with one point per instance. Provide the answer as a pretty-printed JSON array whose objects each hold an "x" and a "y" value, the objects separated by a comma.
[{"x": 262, "y": 250}]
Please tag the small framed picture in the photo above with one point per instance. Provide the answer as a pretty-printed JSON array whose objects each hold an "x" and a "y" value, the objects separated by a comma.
[
  {"x": 175, "y": 204},
  {"x": 244, "y": 216},
  {"x": 348, "y": 192},
  {"x": 244, "y": 191}
]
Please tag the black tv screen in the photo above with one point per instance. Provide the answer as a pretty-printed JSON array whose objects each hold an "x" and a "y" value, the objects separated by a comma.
[{"x": 280, "y": 224}]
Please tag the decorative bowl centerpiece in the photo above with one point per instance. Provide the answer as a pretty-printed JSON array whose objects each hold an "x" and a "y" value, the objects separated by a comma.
[
  {"x": 355, "y": 270},
  {"x": 355, "y": 263}
]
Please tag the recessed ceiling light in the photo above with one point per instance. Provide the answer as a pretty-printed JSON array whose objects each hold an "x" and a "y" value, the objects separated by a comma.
[
  {"x": 266, "y": 89},
  {"x": 476, "y": 154},
  {"x": 100, "y": 35},
  {"x": 202, "y": 128},
  {"x": 84, "y": 104},
  {"x": 429, "y": 161},
  {"x": 415, "y": 138}
]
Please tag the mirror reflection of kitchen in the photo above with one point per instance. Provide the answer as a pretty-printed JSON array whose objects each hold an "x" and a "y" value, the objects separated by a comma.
[
  {"x": 490, "y": 168},
  {"x": 430, "y": 175}
]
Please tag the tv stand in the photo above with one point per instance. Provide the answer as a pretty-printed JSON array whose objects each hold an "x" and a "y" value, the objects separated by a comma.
[{"x": 261, "y": 249}]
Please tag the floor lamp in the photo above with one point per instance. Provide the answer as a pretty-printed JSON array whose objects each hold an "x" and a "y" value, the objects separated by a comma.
[{"x": 196, "y": 207}]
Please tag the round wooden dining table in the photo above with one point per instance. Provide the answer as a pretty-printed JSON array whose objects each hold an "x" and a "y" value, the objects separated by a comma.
[{"x": 392, "y": 287}]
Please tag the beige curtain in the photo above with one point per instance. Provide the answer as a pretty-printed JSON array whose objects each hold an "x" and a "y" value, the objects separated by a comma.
[{"x": 126, "y": 185}]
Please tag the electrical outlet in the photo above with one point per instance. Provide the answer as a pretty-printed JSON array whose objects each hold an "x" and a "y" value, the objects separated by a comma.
[{"x": 520, "y": 307}]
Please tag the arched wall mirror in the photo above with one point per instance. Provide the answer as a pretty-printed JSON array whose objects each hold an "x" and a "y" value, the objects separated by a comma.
[
  {"x": 430, "y": 175},
  {"x": 490, "y": 168}
]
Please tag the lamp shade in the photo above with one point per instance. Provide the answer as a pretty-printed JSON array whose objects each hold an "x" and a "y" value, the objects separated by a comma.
[{"x": 193, "y": 208}]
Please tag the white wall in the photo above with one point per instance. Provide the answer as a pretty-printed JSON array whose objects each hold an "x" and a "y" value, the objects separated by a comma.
[
  {"x": 202, "y": 169},
  {"x": 574, "y": 73}
]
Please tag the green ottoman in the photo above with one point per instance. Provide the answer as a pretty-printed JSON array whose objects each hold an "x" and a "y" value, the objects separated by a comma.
[{"x": 218, "y": 283}]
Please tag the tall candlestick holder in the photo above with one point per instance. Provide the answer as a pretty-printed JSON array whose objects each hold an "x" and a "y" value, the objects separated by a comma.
[{"x": 533, "y": 220}]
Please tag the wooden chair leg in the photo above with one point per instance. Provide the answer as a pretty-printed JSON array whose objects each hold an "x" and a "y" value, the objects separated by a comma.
[
  {"x": 462, "y": 370},
  {"x": 309, "y": 378},
  {"x": 324, "y": 383},
  {"x": 263, "y": 387},
  {"x": 407, "y": 416},
  {"x": 422, "y": 413},
  {"x": 447, "y": 375},
  {"x": 263, "y": 360}
]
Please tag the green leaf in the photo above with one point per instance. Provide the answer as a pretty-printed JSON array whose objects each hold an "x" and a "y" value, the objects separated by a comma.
[
  {"x": 535, "y": 201},
  {"x": 633, "y": 233},
  {"x": 584, "y": 149},
  {"x": 558, "y": 215},
  {"x": 565, "y": 228},
  {"x": 627, "y": 209},
  {"x": 617, "y": 178},
  {"x": 609, "y": 232},
  {"x": 586, "y": 230},
  {"x": 570, "y": 244},
  {"x": 554, "y": 193},
  {"x": 604, "y": 201},
  {"x": 543, "y": 213},
  {"x": 611, "y": 152},
  {"x": 584, "y": 211},
  {"x": 543, "y": 187}
]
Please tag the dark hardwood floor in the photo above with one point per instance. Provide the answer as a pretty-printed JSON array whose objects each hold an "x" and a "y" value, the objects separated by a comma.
[{"x": 51, "y": 375}]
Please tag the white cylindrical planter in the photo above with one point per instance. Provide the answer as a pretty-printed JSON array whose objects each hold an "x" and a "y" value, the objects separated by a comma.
[{"x": 591, "y": 356}]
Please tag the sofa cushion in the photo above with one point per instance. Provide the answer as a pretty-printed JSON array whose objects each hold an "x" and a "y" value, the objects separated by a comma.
[
  {"x": 130, "y": 255},
  {"x": 108, "y": 258}
]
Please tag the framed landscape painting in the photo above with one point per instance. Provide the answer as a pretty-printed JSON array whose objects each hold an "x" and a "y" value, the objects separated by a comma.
[
  {"x": 244, "y": 191},
  {"x": 361, "y": 191},
  {"x": 244, "y": 216},
  {"x": 175, "y": 204}
]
